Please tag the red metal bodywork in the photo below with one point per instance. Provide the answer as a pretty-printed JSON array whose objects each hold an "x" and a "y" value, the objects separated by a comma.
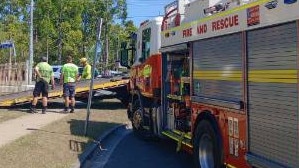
[{"x": 147, "y": 83}]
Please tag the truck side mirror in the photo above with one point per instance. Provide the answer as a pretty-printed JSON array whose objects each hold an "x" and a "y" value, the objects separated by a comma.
[
  {"x": 124, "y": 58},
  {"x": 123, "y": 45}
]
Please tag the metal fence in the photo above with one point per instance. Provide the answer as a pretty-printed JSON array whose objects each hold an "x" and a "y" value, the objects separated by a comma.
[{"x": 13, "y": 77}]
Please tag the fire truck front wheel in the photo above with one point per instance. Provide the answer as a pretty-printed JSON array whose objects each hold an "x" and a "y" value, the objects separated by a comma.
[
  {"x": 207, "y": 153},
  {"x": 137, "y": 118}
]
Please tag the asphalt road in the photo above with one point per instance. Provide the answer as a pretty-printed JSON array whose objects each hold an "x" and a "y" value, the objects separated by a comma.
[{"x": 130, "y": 151}]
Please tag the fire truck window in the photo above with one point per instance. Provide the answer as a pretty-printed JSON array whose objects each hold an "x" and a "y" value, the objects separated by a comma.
[{"x": 146, "y": 37}]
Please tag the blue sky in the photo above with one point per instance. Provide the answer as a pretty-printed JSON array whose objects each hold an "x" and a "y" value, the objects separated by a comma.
[{"x": 141, "y": 10}]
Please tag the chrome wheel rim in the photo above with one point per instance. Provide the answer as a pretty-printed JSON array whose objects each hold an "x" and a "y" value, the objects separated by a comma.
[{"x": 205, "y": 152}]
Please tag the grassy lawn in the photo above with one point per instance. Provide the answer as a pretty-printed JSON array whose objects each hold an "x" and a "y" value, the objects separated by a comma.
[
  {"x": 6, "y": 114},
  {"x": 59, "y": 144}
]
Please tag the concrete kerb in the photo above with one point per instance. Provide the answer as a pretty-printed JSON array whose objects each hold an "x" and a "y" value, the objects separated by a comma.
[{"x": 88, "y": 152}]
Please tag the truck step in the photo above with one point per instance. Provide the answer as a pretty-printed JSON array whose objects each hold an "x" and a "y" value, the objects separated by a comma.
[{"x": 181, "y": 137}]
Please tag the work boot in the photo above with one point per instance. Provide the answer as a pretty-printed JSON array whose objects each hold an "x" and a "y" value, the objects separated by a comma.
[
  {"x": 72, "y": 110},
  {"x": 66, "y": 110},
  {"x": 44, "y": 110},
  {"x": 32, "y": 110}
]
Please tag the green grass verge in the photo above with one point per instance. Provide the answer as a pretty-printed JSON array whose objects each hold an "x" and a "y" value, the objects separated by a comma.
[
  {"x": 59, "y": 144},
  {"x": 6, "y": 114}
]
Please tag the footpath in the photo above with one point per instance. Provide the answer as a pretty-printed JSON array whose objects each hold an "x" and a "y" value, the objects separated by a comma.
[{"x": 13, "y": 129}]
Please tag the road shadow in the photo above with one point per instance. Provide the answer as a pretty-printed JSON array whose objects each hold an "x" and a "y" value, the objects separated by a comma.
[
  {"x": 82, "y": 146},
  {"x": 94, "y": 130},
  {"x": 108, "y": 105}
]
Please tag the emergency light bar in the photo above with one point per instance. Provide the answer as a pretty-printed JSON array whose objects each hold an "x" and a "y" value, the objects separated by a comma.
[{"x": 215, "y": 8}]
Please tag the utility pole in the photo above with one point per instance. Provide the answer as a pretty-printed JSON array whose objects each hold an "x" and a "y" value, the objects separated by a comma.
[{"x": 31, "y": 44}]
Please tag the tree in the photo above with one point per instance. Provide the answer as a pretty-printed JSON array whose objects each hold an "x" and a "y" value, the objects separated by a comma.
[
  {"x": 13, "y": 27},
  {"x": 63, "y": 26}
]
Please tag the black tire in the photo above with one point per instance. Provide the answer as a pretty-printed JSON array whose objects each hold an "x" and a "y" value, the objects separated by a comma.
[
  {"x": 137, "y": 120},
  {"x": 207, "y": 151},
  {"x": 137, "y": 117}
]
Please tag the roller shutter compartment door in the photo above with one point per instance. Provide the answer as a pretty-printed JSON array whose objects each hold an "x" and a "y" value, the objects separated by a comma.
[
  {"x": 217, "y": 70},
  {"x": 273, "y": 94}
]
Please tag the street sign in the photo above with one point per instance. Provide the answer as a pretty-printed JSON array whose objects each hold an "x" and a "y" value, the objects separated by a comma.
[{"x": 6, "y": 45}]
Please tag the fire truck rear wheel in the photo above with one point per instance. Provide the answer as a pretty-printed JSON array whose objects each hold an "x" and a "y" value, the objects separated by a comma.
[{"x": 207, "y": 153}]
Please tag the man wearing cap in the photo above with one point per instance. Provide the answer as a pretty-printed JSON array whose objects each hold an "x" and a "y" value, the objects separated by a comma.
[
  {"x": 86, "y": 74},
  {"x": 69, "y": 76},
  {"x": 44, "y": 74}
]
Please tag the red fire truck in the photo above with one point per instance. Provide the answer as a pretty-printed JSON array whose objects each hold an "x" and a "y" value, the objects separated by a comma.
[{"x": 220, "y": 78}]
